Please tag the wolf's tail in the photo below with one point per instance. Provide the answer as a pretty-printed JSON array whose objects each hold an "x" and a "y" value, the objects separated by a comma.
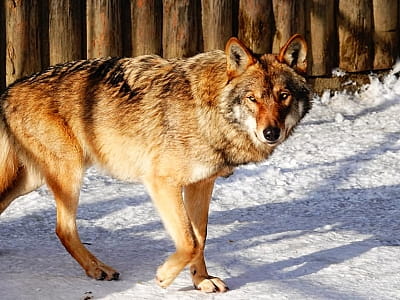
[{"x": 8, "y": 159}]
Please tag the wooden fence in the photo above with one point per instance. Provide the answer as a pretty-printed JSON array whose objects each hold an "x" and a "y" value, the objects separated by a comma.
[{"x": 355, "y": 35}]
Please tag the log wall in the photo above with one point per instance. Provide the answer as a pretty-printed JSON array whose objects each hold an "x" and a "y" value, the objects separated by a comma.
[{"x": 355, "y": 35}]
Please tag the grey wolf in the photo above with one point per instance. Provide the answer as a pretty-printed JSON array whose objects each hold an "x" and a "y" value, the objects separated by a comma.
[{"x": 173, "y": 124}]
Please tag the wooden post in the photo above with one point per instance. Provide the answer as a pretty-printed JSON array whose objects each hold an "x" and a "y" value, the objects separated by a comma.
[
  {"x": 104, "y": 28},
  {"x": 289, "y": 19},
  {"x": 321, "y": 40},
  {"x": 386, "y": 33},
  {"x": 217, "y": 23},
  {"x": 181, "y": 28},
  {"x": 256, "y": 24},
  {"x": 23, "y": 41},
  {"x": 355, "y": 35},
  {"x": 2, "y": 47},
  {"x": 146, "y": 27},
  {"x": 66, "y": 30}
]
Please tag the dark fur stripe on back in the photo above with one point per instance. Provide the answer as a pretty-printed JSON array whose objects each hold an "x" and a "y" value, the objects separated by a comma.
[{"x": 112, "y": 72}]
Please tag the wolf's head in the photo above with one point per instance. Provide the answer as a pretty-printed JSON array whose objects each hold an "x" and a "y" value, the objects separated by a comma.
[{"x": 266, "y": 95}]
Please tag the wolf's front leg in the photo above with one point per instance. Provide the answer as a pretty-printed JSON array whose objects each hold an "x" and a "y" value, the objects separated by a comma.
[
  {"x": 167, "y": 197},
  {"x": 197, "y": 201}
]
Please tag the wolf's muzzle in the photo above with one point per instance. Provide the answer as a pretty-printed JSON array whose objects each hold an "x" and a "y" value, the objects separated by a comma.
[{"x": 272, "y": 134}]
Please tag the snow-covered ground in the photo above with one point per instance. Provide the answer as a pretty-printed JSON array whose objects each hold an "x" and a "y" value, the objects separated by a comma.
[{"x": 319, "y": 220}]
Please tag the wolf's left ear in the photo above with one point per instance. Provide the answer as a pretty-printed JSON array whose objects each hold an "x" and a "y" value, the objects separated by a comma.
[
  {"x": 294, "y": 53},
  {"x": 239, "y": 58}
]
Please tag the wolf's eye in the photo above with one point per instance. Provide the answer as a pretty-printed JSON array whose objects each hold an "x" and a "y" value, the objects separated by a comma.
[
  {"x": 283, "y": 96},
  {"x": 251, "y": 98}
]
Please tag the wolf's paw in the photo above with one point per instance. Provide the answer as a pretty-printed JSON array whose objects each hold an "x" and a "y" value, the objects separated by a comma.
[
  {"x": 164, "y": 282},
  {"x": 101, "y": 271},
  {"x": 211, "y": 285},
  {"x": 164, "y": 276}
]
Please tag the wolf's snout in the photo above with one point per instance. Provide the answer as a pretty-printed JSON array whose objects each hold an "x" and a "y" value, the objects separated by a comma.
[{"x": 272, "y": 134}]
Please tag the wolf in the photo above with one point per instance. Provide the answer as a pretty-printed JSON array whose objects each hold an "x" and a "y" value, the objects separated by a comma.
[{"x": 174, "y": 124}]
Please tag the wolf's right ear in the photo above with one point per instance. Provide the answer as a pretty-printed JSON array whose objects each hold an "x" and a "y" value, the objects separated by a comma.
[{"x": 239, "y": 58}]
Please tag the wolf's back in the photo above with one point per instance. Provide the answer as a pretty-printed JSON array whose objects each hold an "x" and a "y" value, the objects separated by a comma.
[{"x": 8, "y": 158}]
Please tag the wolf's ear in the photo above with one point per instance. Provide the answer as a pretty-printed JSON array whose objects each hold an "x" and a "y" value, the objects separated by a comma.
[
  {"x": 294, "y": 53},
  {"x": 239, "y": 58}
]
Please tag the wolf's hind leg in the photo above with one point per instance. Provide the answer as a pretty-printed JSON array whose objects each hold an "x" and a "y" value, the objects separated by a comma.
[
  {"x": 62, "y": 163},
  {"x": 65, "y": 186},
  {"x": 197, "y": 200},
  {"x": 25, "y": 181}
]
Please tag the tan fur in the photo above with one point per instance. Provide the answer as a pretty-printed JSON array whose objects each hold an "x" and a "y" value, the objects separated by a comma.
[
  {"x": 8, "y": 160},
  {"x": 176, "y": 125}
]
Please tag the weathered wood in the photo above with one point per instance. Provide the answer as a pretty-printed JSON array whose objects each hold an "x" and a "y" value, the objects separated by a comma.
[
  {"x": 2, "y": 47},
  {"x": 23, "y": 50},
  {"x": 289, "y": 19},
  {"x": 44, "y": 33},
  {"x": 33, "y": 34},
  {"x": 322, "y": 37},
  {"x": 181, "y": 28},
  {"x": 104, "y": 36},
  {"x": 235, "y": 17},
  {"x": 66, "y": 30},
  {"x": 217, "y": 23},
  {"x": 386, "y": 32},
  {"x": 355, "y": 35},
  {"x": 146, "y": 27},
  {"x": 256, "y": 24}
]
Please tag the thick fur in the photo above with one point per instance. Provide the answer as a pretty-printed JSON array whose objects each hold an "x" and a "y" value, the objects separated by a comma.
[{"x": 176, "y": 125}]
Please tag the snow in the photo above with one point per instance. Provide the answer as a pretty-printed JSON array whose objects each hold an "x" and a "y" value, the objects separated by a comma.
[{"x": 319, "y": 220}]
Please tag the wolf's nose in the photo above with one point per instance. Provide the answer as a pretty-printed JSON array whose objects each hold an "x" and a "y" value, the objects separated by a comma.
[{"x": 272, "y": 134}]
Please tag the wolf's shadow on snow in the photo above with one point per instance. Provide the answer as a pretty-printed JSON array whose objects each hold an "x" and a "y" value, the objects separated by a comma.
[
  {"x": 377, "y": 215},
  {"x": 374, "y": 212},
  {"x": 371, "y": 211}
]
